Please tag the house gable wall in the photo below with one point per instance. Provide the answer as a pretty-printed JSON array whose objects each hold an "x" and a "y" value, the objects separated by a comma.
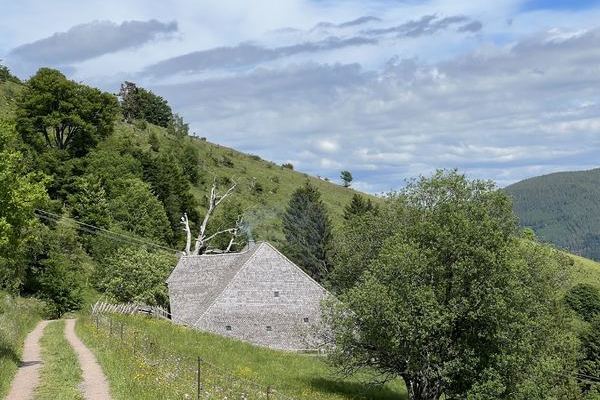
[{"x": 253, "y": 311}]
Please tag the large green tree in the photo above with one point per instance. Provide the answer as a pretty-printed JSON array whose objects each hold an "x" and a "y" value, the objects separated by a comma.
[
  {"x": 58, "y": 267},
  {"x": 307, "y": 230},
  {"x": 54, "y": 112},
  {"x": 20, "y": 193},
  {"x": 454, "y": 303},
  {"x": 139, "y": 103}
]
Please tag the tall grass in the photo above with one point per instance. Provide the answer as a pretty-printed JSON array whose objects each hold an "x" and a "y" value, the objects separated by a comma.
[
  {"x": 156, "y": 359},
  {"x": 18, "y": 316}
]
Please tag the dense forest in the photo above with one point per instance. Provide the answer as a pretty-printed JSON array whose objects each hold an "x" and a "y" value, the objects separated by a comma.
[{"x": 562, "y": 209}]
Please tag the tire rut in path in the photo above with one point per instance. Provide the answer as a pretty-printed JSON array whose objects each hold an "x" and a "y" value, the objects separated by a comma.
[
  {"x": 28, "y": 375},
  {"x": 95, "y": 385}
]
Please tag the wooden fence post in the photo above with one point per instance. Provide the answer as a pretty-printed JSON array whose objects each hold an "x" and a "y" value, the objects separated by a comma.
[{"x": 198, "y": 377}]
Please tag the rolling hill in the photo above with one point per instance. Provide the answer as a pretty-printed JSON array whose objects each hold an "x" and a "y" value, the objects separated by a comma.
[
  {"x": 263, "y": 189},
  {"x": 562, "y": 208}
]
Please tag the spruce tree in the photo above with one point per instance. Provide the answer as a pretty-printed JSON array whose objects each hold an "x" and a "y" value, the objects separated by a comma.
[
  {"x": 357, "y": 206},
  {"x": 307, "y": 230}
]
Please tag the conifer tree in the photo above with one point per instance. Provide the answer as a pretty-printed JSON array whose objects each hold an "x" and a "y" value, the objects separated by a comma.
[
  {"x": 307, "y": 230},
  {"x": 357, "y": 206}
]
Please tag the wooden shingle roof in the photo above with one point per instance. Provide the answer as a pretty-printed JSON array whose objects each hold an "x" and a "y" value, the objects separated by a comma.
[{"x": 209, "y": 274}]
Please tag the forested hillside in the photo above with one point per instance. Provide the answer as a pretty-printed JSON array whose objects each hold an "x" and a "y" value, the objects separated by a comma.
[{"x": 563, "y": 209}]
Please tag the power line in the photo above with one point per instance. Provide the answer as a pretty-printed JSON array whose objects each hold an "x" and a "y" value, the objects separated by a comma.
[{"x": 96, "y": 230}]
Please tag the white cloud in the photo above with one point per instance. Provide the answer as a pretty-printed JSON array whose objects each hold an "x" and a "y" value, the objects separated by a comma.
[{"x": 514, "y": 97}]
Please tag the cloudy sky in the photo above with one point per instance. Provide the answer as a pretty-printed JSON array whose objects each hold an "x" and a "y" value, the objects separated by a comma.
[{"x": 389, "y": 89}]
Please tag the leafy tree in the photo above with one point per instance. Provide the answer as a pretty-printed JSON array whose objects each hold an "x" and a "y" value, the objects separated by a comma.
[
  {"x": 6, "y": 76},
  {"x": 590, "y": 364},
  {"x": 455, "y": 304},
  {"x": 178, "y": 127},
  {"x": 59, "y": 268},
  {"x": 191, "y": 163},
  {"x": 89, "y": 202},
  {"x": 584, "y": 299},
  {"x": 137, "y": 210},
  {"x": 357, "y": 206},
  {"x": 361, "y": 239},
  {"x": 54, "y": 112},
  {"x": 20, "y": 193},
  {"x": 288, "y": 166},
  {"x": 307, "y": 230},
  {"x": 167, "y": 180},
  {"x": 346, "y": 177},
  {"x": 137, "y": 274},
  {"x": 139, "y": 103}
]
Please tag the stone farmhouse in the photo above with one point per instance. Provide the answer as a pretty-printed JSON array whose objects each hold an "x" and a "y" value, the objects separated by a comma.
[{"x": 257, "y": 295}]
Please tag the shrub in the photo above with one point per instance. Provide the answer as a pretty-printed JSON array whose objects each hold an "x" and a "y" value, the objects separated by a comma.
[
  {"x": 226, "y": 162},
  {"x": 137, "y": 274},
  {"x": 288, "y": 166},
  {"x": 584, "y": 299}
]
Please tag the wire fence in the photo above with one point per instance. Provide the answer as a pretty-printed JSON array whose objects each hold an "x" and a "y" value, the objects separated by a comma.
[{"x": 182, "y": 376}]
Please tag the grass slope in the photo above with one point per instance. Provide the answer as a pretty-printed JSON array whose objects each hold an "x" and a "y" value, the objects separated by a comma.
[
  {"x": 563, "y": 209},
  {"x": 61, "y": 374},
  {"x": 156, "y": 359},
  {"x": 263, "y": 209},
  {"x": 18, "y": 317}
]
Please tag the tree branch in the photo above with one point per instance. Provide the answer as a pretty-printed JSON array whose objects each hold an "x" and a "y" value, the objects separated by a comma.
[{"x": 214, "y": 200}]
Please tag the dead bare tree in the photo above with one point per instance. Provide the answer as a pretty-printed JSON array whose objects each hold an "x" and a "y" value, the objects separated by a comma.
[
  {"x": 203, "y": 239},
  {"x": 188, "y": 233}
]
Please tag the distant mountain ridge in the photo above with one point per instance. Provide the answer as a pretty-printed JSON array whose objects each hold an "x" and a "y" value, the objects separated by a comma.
[{"x": 562, "y": 208}]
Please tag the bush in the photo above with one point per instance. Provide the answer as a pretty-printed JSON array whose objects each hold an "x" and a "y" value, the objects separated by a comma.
[
  {"x": 584, "y": 299},
  {"x": 140, "y": 124},
  {"x": 135, "y": 274},
  {"x": 59, "y": 269},
  {"x": 226, "y": 162},
  {"x": 255, "y": 157},
  {"x": 288, "y": 166},
  {"x": 6, "y": 76}
]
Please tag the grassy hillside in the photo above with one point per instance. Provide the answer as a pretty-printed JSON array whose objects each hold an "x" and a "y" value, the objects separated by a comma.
[
  {"x": 264, "y": 187},
  {"x": 563, "y": 209},
  {"x": 263, "y": 206}
]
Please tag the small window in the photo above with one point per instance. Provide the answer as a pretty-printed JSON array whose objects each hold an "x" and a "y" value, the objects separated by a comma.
[
  {"x": 305, "y": 319},
  {"x": 276, "y": 293},
  {"x": 228, "y": 328},
  {"x": 269, "y": 329}
]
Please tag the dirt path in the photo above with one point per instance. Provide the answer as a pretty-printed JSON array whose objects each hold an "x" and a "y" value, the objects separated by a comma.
[
  {"x": 95, "y": 386},
  {"x": 28, "y": 374}
]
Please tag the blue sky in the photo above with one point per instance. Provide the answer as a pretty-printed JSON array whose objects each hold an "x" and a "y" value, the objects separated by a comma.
[{"x": 387, "y": 89}]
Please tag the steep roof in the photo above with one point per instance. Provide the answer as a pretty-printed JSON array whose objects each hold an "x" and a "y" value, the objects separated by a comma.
[{"x": 210, "y": 272}]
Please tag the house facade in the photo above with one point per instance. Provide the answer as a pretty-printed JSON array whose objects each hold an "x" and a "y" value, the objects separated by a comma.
[{"x": 257, "y": 295}]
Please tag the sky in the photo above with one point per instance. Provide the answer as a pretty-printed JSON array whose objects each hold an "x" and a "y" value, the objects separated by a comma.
[{"x": 388, "y": 89}]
